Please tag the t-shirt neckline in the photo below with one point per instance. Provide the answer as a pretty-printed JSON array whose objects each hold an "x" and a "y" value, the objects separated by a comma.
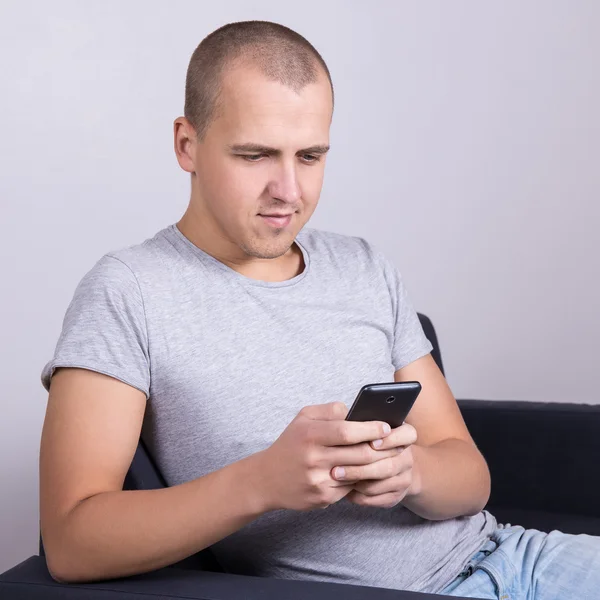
[{"x": 232, "y": 273}]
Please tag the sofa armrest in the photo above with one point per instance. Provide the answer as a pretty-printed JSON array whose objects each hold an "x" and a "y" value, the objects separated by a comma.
[
  {"x": 542, "y": 456},
  {"x": 31, "y": 581}
]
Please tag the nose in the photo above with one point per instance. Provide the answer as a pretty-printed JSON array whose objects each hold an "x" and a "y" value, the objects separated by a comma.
[{"x": 284, "y": 184}]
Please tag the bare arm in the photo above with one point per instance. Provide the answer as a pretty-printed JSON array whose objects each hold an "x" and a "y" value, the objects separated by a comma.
[
  {"x": 450, "y": 476},
  {"x": 91, "y": 528}
]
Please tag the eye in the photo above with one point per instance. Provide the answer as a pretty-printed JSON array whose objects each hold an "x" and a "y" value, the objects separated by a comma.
[
  {"x": 252, "y": 157},
  {"x": 311, "y": 158}
]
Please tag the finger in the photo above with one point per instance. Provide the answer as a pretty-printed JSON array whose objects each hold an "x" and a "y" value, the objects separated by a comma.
[
  {"x": 348, "y": 433},
  {"x": 332, "y": 411},
  {"x": 382, "y": 469},
  {"x": 383, "y": 501},
  {"x": 377, "y": 487},
  {"x": 358, "y": 454},
  {"x": 336, "y": 495},
  {"x": 405, "y": 435}
]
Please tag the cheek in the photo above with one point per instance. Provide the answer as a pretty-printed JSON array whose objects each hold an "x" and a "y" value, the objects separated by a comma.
[
  {"x": 233, "y": 189},
  {"x": 311, "y": 185},
  {"x": 245, "y": 185}
]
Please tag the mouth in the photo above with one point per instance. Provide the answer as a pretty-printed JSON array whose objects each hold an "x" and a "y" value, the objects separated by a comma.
[{"x": 279, "y": 220}]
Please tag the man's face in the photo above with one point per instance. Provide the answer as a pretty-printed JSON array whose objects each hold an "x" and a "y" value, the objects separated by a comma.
[{"x": 264, "y": 154}]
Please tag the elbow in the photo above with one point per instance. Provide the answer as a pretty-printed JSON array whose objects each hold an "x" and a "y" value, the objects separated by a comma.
[
  {"x": 485, "y": 489},
  {"x": 61, "y": 568},
  {"x": 66, "y": 571},
  {"x": 478, "y": 490},
  {"x": 57, "y": 575},
  {"x": 65, "y": 565},
  {"x": 487, "y": 484},
  {"x": 58, "y": 569},
  {"x": 67, "y": 560},
  {"x": 53, "y": 551}
]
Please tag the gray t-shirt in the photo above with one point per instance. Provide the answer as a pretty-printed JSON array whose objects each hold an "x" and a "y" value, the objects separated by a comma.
[{"x": 226, "y": 363}]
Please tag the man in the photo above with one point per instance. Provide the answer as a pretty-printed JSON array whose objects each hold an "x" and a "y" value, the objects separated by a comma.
[{"x": 234, "y": 342}]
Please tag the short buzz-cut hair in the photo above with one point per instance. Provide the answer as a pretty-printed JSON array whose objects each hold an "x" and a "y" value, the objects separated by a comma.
[{"x": 278, "y": 52}]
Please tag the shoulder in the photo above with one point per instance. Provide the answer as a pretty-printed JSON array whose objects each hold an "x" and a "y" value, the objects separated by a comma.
[
  {"x": 355, "y": 257},
  {"x": 138, "y": 257},
  {"x": 118, "y": 272}
]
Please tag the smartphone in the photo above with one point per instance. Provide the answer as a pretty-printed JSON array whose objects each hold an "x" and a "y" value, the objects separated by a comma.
[{"x": 387, "y": 402}]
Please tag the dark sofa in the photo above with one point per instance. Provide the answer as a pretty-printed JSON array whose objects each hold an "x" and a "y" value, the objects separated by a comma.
[{"x": 543, "y": 459}]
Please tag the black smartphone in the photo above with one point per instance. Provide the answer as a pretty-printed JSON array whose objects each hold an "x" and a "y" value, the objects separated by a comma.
[{"x": 387, "y": 402}]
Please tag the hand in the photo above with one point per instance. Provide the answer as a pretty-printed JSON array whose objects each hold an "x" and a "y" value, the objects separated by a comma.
[
  {"x": 388, "y": 481},
  {"x": 296, "y": 471}
]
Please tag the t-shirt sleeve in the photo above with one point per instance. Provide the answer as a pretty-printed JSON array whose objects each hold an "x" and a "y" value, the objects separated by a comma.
[
  {"x": 104, "y": 328},
  {"x": 410, "y": 342}
]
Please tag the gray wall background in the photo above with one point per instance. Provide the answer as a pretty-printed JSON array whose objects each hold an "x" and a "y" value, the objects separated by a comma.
[{"x": 465, "y": 144}]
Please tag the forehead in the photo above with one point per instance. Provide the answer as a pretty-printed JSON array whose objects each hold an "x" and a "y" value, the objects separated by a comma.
[{"x": 254, "y": 107}]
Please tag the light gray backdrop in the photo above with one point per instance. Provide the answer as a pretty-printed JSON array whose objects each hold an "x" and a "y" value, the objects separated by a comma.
[{"x": 465, "y": 144}]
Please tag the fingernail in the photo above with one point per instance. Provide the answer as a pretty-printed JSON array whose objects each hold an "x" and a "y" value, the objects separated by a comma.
[
  {"x": 386, "y": 428},
  {"x": 340, "y": 473},
  {"x": 377, "y": 443}
]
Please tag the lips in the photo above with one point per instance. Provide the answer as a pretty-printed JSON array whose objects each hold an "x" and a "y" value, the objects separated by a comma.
[{"x": 278, "y": 220}]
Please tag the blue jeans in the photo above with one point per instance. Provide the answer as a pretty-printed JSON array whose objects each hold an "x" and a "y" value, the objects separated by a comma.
[{"x": 525, "y": 564}]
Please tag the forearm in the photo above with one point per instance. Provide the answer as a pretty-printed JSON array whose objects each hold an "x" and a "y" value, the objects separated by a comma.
[
  {"x": 117, "y": 534},
  {"x": 451, "y": 479}
]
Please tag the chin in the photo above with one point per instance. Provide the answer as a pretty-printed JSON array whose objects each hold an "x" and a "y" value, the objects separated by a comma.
[{"x": 267, "y": 248}]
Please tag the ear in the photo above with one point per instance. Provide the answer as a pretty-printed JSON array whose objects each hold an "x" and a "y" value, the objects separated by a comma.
[{"x": 184, "y": 139}]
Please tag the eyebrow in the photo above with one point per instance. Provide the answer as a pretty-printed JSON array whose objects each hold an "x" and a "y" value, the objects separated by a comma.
[{"x": 260, "y": 149}]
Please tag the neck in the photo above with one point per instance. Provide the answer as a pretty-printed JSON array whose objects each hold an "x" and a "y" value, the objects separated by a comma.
[{"x": 193, "y": 226}]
